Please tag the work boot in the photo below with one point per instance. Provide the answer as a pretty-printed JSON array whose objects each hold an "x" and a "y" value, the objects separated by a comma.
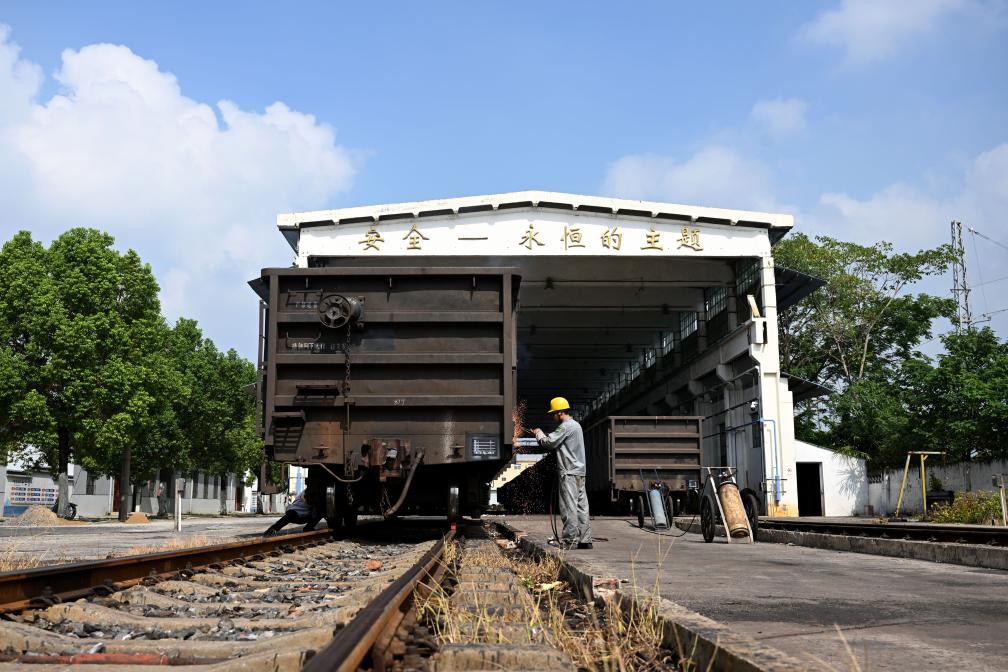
[{"x": 585, "y": 546}]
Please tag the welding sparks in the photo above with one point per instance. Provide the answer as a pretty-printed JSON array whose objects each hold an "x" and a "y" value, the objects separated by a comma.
[{"x": 518, "y": 418}]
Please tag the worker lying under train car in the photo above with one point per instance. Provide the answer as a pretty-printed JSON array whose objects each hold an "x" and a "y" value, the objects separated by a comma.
[
  {"x": 568, "y": 442},
  {"x": 301, "y": 510}
]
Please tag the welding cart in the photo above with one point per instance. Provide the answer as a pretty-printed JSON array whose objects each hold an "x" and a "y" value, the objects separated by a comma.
[{"x": 721, "y": 503}]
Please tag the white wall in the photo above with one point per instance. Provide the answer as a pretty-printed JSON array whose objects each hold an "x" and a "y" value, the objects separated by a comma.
[
  {"x": 195, "y": 500},
  {"x": 961, "y": 477},
  {"x": 844, "y": 479}
]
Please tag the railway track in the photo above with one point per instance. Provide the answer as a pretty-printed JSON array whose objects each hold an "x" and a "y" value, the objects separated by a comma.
[
  {"x": 481, "y": 604},
  {"x": 466, "y": 600},
  {"x": 958, "y": 534},
  {"x": 463, "y": 609},
  {"x": 262, "y": 604}
]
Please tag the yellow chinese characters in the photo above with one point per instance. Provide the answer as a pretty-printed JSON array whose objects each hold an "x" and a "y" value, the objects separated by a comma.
[
  {"x": 530, "y": 237},
  {"x": 371, "y": 239},
  {"x": 690, "y": 239},
  {"x": 652, "y": 237},
  {"x": 612, "y": 239},
  {"x": 572, "y": 237},
  {"x": 414, "y": 237}
]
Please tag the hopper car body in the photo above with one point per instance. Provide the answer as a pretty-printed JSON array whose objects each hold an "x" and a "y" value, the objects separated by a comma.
[
  {"x": 629, "y": 455},
  {"x": 395, "y": 386}
]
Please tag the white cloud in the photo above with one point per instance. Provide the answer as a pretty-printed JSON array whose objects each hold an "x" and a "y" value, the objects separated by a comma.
[
  {"x": 911, "y": 217},
  {"x": 194, "y": 189},
  {"x": 715, "y": 176},
  {"x": 19, "y": 79},
  {"x": 915, "y": 219},
  {"x": 870, "y": 30},
  {"x": 780, "y": 117}
]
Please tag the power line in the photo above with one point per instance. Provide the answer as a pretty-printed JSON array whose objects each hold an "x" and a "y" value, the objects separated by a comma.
[
  {"x": 976, "y": 256},
  {"x": 958, "y": 250},
  {"x": 977, "y": 233},
  {"x": 990, "y": 282}
]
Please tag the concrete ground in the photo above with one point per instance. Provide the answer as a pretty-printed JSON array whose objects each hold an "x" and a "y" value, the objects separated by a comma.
[
  {"x": 66, "y": 543},
  {"x": 895, "y": 614}
]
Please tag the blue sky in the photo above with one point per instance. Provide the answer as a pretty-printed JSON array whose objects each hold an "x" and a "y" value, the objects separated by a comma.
[{"x": 866, "y": 120}]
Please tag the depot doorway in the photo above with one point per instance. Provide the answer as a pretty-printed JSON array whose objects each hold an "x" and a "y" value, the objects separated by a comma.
[{"x": 810, "y": 490}]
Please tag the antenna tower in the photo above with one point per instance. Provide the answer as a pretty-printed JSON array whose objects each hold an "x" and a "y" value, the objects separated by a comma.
[{"x": 960, "y": 286}]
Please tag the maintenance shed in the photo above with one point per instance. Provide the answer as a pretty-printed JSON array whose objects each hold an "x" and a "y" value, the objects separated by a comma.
[{"x": 627, "y": 308}]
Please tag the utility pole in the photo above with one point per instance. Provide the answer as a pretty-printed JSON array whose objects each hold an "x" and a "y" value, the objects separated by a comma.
[
  {"x": 960, "y": 286},
  {"x": 999, "y": 482}
]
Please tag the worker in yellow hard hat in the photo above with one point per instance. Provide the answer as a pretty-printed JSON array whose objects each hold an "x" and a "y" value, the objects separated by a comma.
[{"x": 568, "y": 441}]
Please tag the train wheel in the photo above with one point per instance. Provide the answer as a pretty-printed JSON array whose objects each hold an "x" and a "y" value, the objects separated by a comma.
[
  {"x": 752, "y": 509},
  {"x": 350, "y": 517},
  {"x": 331, "y": 505},
  {"x": 692, "y": 502},
  {"x": 640, "y": 511},
  {"x": 706, "y": 520},
  {"x": 453, "y": 504}
]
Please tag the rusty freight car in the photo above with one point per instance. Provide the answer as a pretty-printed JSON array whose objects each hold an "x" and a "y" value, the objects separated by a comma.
[{"x": 395, "y": 385}]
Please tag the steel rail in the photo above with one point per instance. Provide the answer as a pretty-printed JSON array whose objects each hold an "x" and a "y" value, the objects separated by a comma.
[
  {"x": 960, "y": 534},
  {"x": 351, "y": 645},
  {"x": 43, "y": 586}
]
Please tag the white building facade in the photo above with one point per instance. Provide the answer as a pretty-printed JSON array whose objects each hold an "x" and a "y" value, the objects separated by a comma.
[{"x": 625, "y": 307}]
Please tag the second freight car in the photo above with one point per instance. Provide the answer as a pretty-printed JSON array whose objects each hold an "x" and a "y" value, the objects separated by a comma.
[{"x": 626, "y": 454}]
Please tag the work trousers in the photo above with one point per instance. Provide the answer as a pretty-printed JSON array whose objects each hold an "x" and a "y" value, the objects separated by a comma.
[
  {"x": 294, "y": 517},
  {"x": 574, "y": 510}
]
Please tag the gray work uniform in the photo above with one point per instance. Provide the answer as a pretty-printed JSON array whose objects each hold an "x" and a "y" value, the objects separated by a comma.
[{"x": 568, "y": 441}]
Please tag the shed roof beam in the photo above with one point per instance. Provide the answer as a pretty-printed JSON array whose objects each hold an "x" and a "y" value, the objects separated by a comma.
[
  {"x": 643, "y": 295},
  {"x": 597, "y": 318},
  {"x": 590, "y": 338}
]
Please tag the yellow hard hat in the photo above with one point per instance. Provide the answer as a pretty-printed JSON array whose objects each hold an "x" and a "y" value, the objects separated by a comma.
[{"x": 558, "y": 404}]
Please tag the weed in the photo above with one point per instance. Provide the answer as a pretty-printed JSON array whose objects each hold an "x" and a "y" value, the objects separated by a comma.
[
  {"x": 596, "y": 636},
  {"x": 171, "y": 545},
  {"x": 978, "y": 508}
]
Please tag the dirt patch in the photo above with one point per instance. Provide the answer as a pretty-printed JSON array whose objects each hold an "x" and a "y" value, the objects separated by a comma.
[
  {"x": 40, "y": 516},
  {"x": 137, "y": 517}
]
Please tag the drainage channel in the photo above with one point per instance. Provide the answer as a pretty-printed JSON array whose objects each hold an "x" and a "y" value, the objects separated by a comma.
[
  {"x": 268, "y": 610},
  {"x": 482, "y": 604}
]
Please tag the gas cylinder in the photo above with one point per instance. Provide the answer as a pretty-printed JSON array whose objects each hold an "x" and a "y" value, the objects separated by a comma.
[
  {"x": 734, "y": 511},
  {"x": 657, "y": 509}
]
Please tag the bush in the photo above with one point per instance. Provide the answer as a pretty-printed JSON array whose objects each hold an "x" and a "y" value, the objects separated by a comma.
[{"x": 969, "y": 507}]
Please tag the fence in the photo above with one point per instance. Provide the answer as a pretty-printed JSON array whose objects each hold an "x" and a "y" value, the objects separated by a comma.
[{"x": 884, "y": 487}]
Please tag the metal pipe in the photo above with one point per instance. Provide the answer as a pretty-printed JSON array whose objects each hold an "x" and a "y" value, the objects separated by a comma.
[
  {"x": 1004, "y": 508},
  {"x": 778, "y": 458},
  {"x": 906, "y": 469},
  {"x": 406, "y": 486},
  {"x": 338, "y": 478}
]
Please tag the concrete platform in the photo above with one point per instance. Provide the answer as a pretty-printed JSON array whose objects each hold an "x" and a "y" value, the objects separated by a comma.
[
  {"x": 66, "y": 543},
  {"x": 895, "y": 614}
]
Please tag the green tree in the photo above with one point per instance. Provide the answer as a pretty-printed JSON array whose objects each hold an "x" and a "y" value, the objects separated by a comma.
[
  {"x": 215, "y": 413},
  {"x": 855, "y": 335},
  {"x": 82, "y": 332},
  {"x": 962, "y": 403}
]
